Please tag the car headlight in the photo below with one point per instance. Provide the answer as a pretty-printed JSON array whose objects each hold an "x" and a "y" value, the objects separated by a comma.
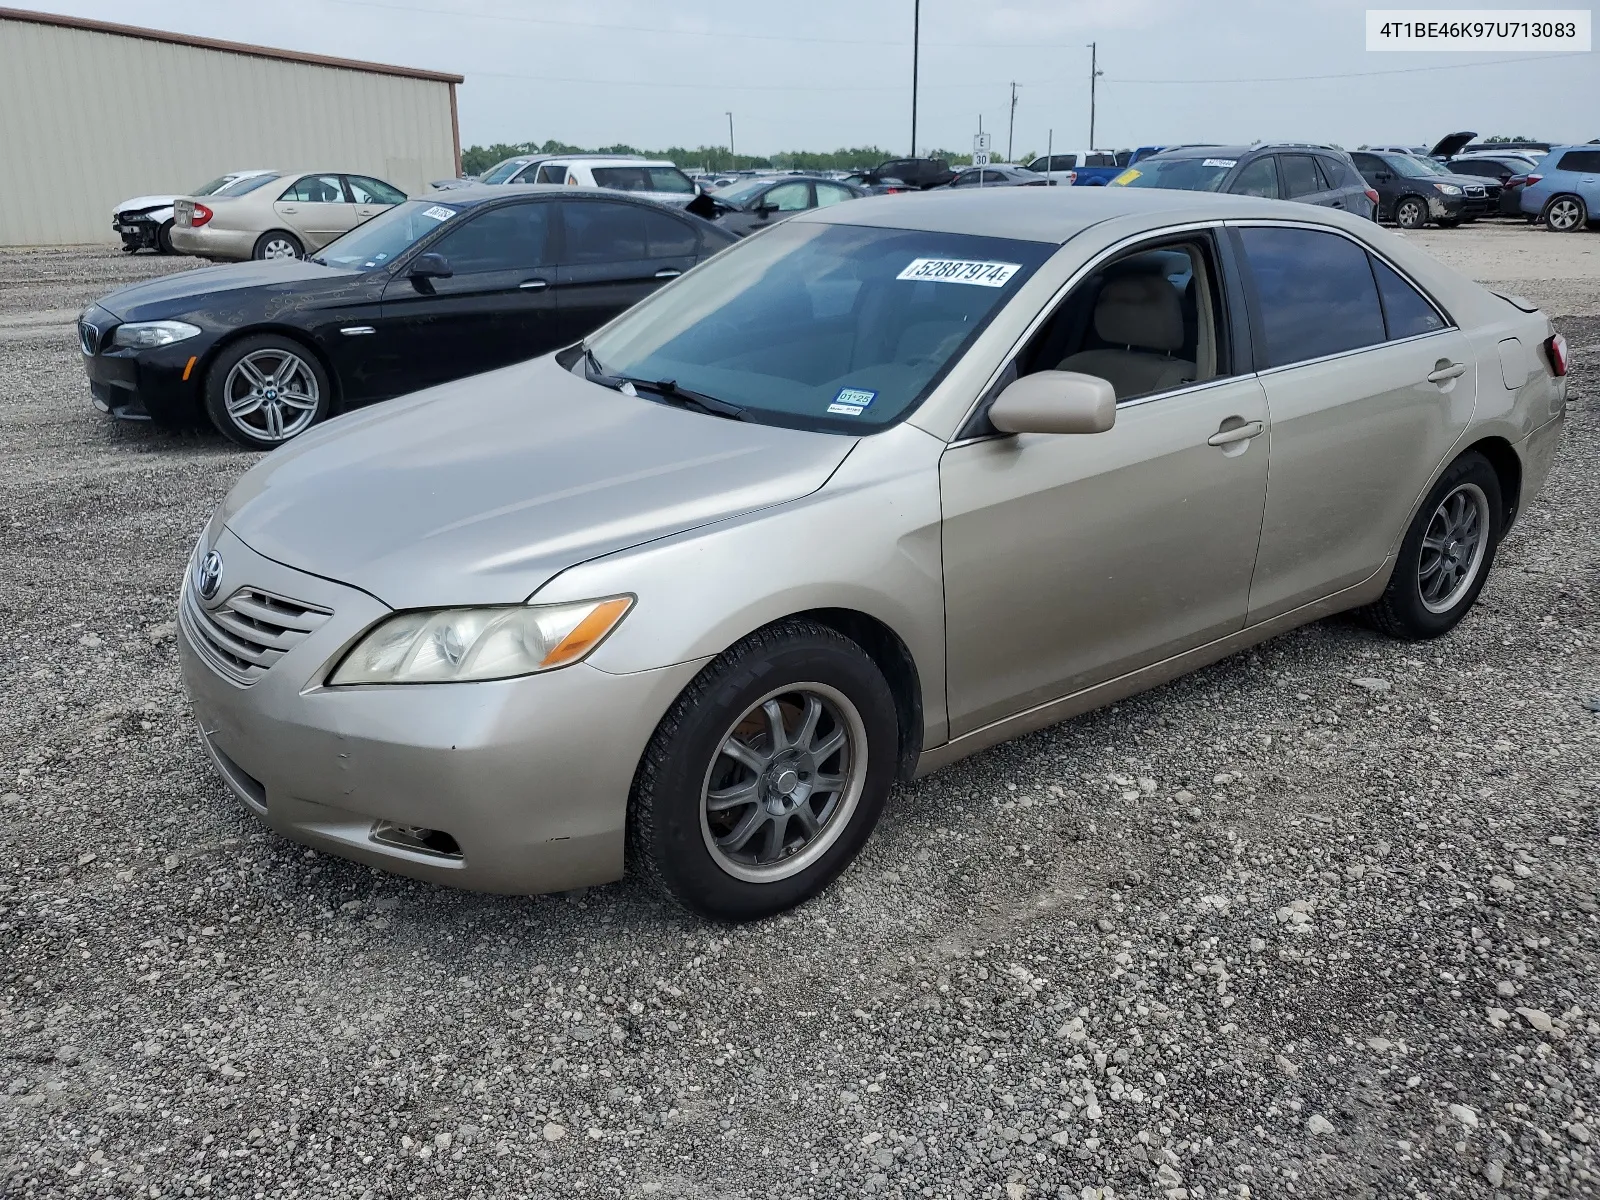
[
  {"x": 459, "y": 645},
  {"x": 1449, "y": 189},
  {"x": 146, "y": 335}
]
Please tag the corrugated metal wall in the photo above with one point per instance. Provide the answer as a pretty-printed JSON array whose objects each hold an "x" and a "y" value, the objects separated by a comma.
[{"x": 89, "y": 119}]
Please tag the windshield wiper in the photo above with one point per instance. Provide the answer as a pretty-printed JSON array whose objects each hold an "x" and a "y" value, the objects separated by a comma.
[
  {"x": 667, "y": 389},
  {"x": 319, "y": 260}
]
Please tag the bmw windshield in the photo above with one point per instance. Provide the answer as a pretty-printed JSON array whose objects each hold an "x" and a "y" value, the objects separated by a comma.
[
  {"x": 388, "y": 235},
  {"x": 826, "y": 327}
]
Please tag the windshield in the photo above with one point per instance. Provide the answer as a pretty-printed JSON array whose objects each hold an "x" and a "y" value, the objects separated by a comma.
[
  {"x": 1411, "y": 168},
  {"x": 739, "y": 194},
  {"x": 386, "y": 236},
  {"x": 826, "y": 327},
  {"x": 643, "y": 179},
  {"x": 248, "y": 184},
  {"x": 502, "y": 171},
  {"x": 1184, "y": 174}
]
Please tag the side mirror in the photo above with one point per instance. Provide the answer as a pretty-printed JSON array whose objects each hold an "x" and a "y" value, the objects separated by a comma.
[
  {"x": 765, "y": 210},
  {"x": 1055, "y": 402},
  {"x": 431, "y": 266}
]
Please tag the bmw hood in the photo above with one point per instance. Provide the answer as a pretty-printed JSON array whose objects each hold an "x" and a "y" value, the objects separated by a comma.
[
  {"x": 480, "y": 491},
  {"x": 186, "y": 291}
]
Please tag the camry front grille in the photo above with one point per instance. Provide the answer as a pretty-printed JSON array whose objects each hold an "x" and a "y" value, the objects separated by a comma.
[{"x": 249, "y": 631}]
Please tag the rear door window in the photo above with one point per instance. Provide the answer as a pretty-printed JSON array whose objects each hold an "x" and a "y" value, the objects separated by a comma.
[
  {"x": 1315, "y": 293},
  {"x": 1300, "y": 176},
  {"x": 668, "y": 237},
  {"x": 551, "y": 173},
  {"x": 599, "y": 231},
  {"x": 1406, "y": 311},
  {"x": 315, "y": 189}
]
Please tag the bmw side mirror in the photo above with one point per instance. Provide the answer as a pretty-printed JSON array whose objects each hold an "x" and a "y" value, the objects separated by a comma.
[
  {"x": 1055, "y": 402},
  {"x": 431, "y": 266}
]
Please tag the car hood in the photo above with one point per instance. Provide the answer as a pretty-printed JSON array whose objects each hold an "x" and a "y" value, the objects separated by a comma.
[
  {"x": 139, "y": 203},
  {"x": 482, "y": 490},
  {"x": 1450, "y": 144},
  {"x": 171, "y": 295}
]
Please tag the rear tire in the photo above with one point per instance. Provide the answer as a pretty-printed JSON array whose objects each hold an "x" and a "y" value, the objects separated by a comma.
[
  {"x": 737, "y": 823},
  {"x": 277, "y": 243},
  {"x": 1445, "y": 558},
  {"x": 1449, "y": 222},
  {"x": 1565, "y": 214},
  {"x": 164, "y": 238},
  {"x": 1411, "y": 213}
]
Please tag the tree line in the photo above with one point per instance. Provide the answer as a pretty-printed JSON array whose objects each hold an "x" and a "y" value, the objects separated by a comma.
[{"x": 475, "y": 160}]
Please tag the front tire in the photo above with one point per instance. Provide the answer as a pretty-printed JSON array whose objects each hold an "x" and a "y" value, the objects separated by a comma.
[
  {"x": 164, "y": 238},
  {"x": 767, "y": 775},
  {"x": 1565, "y": 214},
  {"x": 1411, "y": 213},
  {"x": 266, "y": 390},
  {"x": 1446, "y": 556},
  {"x": 277, "y": 243}
]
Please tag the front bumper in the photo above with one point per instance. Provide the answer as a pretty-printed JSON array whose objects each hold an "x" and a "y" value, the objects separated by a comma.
[
  {"x": 162, "y": 385},
  {"x": 136, "y": 232},
  {"x": 529, "y": 777},
  {"x": 228, "y": 245}
]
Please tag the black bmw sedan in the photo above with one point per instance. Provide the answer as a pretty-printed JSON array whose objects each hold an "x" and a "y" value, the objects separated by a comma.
[{"x": 426, "y": 292}]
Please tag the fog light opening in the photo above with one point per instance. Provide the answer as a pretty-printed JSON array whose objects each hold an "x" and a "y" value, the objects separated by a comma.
[{"x": 416, "y": 838}]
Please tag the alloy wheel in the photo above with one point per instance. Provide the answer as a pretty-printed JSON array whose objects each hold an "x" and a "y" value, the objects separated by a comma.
[
  {"x": 784, "y": 782},
  {"x": 271, "y": 394},
  {"x": 1453, "y": 548},
  {"x": 1410, "y": 215},
  {"x": 1563, "y": 214}
]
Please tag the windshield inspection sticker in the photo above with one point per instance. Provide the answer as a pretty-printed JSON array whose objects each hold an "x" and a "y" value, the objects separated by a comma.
[
  {"x": 1220, "y": 162},
  {"x": 960, "y": 270},
  {"x": 852, "y": 402},
  {"x": 1127, "y": 177},
  {"x": 439, "y": 212}
]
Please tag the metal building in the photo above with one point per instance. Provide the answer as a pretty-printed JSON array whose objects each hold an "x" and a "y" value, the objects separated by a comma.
[{"x": 92, "y": 114}]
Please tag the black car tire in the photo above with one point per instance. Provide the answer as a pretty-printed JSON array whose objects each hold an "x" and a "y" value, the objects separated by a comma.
[
  {"x": 1411, "y": 212},
  {"x": 164, "y": 238},
  {"x": 1401, "y": 611},
  {"x": 1555, "y": 214},
  {"x": 216, "y": 384},
  {"x": 273, "y": 238},
  {"x": 1450, "y": 222},
  {"x": 670, "y": 815}
]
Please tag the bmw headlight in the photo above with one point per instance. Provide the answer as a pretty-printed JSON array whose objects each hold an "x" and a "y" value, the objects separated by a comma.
[
  {"x": 459, "y": 645},
  {"x": 147, "y": 335},
  {"x": 1449, "y": 189}
]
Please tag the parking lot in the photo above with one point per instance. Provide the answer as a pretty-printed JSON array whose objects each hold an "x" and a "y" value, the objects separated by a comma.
[{"x": 1319, "y": 920}]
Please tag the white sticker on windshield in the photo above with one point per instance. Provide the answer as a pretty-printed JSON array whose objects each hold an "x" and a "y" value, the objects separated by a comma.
[
  {"x": 439, "y": 212},
  {"x": 852, "y": 402},
  {"x": 960, "y": 270},
  {"x": 1220, "y": 162}
]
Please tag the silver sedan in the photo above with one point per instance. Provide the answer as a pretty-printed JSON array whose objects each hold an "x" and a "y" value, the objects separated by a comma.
[{"x": 893, "y": 483}]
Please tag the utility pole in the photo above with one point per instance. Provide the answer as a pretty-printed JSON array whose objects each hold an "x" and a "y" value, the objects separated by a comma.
[
  {"x": 1011, "y": 131},
  {"x": 916, "y": 49},
  {"x": 1094, "y": 74},
  {"x": 731, "y": 155}
]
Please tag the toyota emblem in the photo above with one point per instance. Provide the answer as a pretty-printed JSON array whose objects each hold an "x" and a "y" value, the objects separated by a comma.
[{"x": 208, "y": 575}]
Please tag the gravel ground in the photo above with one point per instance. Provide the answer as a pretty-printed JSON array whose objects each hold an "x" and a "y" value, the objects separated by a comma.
[{"x": 1317, "y": 921}]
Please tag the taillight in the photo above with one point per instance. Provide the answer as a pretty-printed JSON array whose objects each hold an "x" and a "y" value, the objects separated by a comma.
[
  {"x": 202, "y": 214},
  {"x": 1512, "y": 181},
  {"x": 1533, "y": 179},
  {"x": 1555, "y": 347},
  {"x": 1372, "y": 195}
]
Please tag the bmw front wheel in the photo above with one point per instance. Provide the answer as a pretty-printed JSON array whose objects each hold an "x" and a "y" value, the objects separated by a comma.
[
  {"x": 766, "y": 776},
  {"x": 262, "y": 391}
]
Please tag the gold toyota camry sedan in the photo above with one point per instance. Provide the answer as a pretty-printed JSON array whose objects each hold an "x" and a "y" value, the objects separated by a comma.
[
  {"x": 274, "y": 215},
  {"x": 891, "y": 483}
]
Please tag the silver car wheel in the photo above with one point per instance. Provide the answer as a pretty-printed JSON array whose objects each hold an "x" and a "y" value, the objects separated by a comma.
[
  {"x": 1411, "y": 214},
  {"x": 279, "y": 248},
  {"x": 784, "y": 783},
  {"x": 1563, "y": 214},
  {"x": 1453, "y": 548},
  {"x": 271, "y": 394}
]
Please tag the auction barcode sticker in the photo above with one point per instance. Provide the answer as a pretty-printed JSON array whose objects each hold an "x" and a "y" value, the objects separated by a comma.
[
  {"x": 960, "y": 270},
  {"x": 1454, "y": 29}
]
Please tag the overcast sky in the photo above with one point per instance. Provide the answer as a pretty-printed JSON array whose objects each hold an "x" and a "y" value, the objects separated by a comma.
[{"x": 818, "y": 74}]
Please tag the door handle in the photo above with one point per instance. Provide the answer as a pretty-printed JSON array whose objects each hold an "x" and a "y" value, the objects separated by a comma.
[
  {"x": 1449, "y": 370},
  {"x": 533, "y": 285},
  {"x": 668, "y": 273},
  {"x": 1238, "y": 433},
  {"x": 290, "y": 209}
]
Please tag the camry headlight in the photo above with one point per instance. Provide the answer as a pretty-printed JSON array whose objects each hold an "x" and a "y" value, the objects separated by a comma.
[
  {"x": 146, "y": 335},
  {"x": 458, "y": 645},
  {"x": 1449, "y": 189}
]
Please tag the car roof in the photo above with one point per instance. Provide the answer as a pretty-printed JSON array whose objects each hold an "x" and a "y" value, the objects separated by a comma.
[
  {"x": 470, "y": 194},
  {"x": 1049, "y": 214}
]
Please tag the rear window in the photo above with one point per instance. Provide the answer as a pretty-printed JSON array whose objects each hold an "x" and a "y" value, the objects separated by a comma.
[
  {"x": 1579, "y": 160},
  {"x": 248, "y": 184}
]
